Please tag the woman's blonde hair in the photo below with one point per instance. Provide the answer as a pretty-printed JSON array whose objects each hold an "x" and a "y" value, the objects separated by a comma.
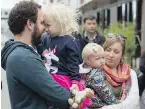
[
  {"x": 66, "y": 17},
  {"x": 90, "y": 49}
]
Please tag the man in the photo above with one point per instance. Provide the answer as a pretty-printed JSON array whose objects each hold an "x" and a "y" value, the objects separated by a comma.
[
  {"x": 141, "y": 80},
  {"x": 90, "y": 34},
  {"x": 30, "y": 85},
  {"x": 142, "y": 63},
  {"x": 141, "y": 76}
]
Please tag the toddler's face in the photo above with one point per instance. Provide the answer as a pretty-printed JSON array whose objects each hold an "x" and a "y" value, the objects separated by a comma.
[
  {"x": 96, "y": 60},
  {"x": 52, "y": 27}
]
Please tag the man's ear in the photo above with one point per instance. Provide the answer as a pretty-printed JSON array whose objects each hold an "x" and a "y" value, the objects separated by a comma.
[{"x": 30, "y": 24}]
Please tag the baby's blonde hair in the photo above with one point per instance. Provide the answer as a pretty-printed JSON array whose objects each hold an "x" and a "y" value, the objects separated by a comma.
[
  {"x": 66, "y": 17},
  {"x": 90, "y": 49}
]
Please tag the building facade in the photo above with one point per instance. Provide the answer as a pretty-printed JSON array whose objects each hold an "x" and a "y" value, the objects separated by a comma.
[{"x": 5, "y": 32}]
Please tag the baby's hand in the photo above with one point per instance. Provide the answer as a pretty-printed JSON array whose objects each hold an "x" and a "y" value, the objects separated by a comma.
[{"x": 123, "y": 97}]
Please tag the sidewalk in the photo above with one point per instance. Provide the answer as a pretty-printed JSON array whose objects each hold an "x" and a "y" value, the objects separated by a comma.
[{"x": 5, "y": 101}]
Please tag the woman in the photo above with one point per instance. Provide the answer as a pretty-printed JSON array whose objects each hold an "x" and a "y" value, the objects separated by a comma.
[{"x": 121, "y": 79}]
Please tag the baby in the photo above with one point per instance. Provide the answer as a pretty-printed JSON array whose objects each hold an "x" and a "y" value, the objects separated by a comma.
[{"x": 94, "y": 77}]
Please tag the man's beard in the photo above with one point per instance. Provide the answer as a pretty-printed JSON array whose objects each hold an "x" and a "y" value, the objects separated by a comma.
[{"x": 36, "y": 37}]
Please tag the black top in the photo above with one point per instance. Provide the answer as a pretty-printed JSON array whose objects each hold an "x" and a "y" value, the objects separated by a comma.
[
  {"x": 67, "y": 50},
  {"x": 142, "y": 63}
]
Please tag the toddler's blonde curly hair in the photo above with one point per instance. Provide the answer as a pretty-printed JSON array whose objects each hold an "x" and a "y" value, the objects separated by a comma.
[{"x": 66, "y": 17}]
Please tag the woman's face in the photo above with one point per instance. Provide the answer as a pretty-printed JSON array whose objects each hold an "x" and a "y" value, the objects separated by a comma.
[{"x": 113, "y": 55}]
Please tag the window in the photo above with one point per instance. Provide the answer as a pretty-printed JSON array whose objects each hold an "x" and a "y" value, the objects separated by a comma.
[
  {"x": 108, "y": 17},
  {"x": 82, "y": 1},
  {"x": 119, "y": 14},
  {"x": 103, "y": 18},
  {"x": 127, "y": 12},
  {"x": 6, "y": 13},
  {"x": 2, "y": 30},
  {"x": 134, "y": 10},
  {"x": 51, "y": 1},
  {"x": 44, "y": 2},
  {"x": 98, "y": 18},
  {"x": 130, "y": 12}
]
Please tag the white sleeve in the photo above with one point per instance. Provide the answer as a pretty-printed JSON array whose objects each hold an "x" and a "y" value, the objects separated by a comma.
[{"x": 132, "y": 99}]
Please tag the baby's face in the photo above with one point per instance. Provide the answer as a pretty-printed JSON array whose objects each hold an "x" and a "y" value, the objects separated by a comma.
[
  {"x": 52, "y": 27},
  {"x": 96, "y": 60}
]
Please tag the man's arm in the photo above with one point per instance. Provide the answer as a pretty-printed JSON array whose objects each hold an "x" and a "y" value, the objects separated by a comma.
[{"x": 33, "y": 74}]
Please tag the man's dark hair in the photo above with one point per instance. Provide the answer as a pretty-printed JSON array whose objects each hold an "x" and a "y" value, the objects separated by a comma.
[
  {"x": 20, "y": 13},
  {"x": 89, "y": 17}
]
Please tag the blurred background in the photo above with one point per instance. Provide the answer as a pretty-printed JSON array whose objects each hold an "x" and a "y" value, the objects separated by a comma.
[{"x": 126, "y": 17}]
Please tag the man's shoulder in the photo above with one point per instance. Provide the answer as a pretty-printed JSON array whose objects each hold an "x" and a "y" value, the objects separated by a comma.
[
  {"x": 100, "y": 39},
  {"x": 100, "y": 36},
  {"x": 21, "y": 53},
  {"x": 21, "y": 57}
]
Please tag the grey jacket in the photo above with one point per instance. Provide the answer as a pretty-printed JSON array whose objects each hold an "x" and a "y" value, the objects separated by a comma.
[{"x": 30, "y": 85}]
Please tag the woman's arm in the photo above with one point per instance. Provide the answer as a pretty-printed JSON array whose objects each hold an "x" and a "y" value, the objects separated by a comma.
[{"x": 132, "y": 99}]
